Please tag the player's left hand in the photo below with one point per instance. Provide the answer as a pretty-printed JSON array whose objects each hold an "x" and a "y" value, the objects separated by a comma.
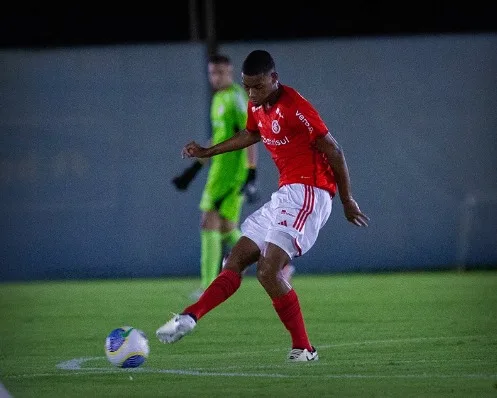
[{"x": 354, "y": 214}]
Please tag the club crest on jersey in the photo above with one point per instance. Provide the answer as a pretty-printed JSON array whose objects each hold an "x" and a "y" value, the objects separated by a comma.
[{"x": 275, "y": 126}]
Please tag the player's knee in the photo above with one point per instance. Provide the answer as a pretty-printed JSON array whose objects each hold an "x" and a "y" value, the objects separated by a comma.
[
  {"x": 266, "y": 273},
  {"x": 242, "y": 255}
]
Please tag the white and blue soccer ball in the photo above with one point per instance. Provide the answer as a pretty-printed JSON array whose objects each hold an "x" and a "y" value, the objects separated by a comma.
[{"x": 127, "y": 347}]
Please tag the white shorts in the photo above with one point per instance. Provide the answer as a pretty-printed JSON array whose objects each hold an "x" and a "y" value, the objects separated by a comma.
[{"x": 291, "y": 220}]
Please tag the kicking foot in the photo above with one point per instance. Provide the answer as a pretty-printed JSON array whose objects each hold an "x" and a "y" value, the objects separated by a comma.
[{"x": 176, "y": 328}]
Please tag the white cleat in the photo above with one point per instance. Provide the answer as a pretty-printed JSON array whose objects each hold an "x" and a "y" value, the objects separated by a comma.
[
  {"x": 299, "y": 355},
  {"x": 176, "y": 328}
]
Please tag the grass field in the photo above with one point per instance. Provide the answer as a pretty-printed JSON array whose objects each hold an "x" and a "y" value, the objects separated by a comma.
[{"x": 420, "y": 334}]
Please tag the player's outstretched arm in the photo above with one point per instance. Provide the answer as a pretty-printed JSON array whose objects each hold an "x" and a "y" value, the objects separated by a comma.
[
  {"x": 240, "y": 140},
  {"x": 334, "y": 153}
]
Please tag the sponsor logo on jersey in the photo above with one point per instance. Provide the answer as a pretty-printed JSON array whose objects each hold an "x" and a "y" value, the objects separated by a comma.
[
  {"x": 274, "y": 142},
  {"x": 304, "y": 121}
]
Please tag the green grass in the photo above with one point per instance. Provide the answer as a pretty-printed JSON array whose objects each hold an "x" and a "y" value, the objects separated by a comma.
[{"x": 378, "y": 335}]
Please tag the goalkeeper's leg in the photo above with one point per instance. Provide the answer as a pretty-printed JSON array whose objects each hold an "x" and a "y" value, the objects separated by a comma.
[
  {"x": 211, "y": 254},
  {"x": 210, "y": 250}
]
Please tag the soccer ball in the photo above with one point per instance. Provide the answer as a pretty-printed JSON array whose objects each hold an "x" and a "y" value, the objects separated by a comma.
[{"x": 126, "y": 347}]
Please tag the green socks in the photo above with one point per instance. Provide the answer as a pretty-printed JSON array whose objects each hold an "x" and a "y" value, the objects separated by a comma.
[
  {"x": 210, "y": 258},
  {"x": 212, "y": 252}
]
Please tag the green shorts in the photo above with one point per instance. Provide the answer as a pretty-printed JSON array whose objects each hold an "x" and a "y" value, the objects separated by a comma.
[{"x": 229, "y": 205}]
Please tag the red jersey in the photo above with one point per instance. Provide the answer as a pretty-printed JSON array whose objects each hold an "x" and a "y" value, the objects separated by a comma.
[{"x": 287, "y": 130}]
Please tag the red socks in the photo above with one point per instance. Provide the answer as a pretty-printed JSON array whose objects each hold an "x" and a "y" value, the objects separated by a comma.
[
  {"x": 226, "y": 283},
  {"x": 286, "y": 306},
  {"x": 288, "y": 309}
]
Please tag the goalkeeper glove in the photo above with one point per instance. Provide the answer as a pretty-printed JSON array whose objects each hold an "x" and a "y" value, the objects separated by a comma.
[
  {"x": 184, "y": 179},
  {"x": 250, "y": 189}
]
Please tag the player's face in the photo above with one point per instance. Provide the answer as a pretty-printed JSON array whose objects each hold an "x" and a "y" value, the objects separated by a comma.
[
  {"x": 260, "y": 87},
  {"x": 220, "y": 75}
]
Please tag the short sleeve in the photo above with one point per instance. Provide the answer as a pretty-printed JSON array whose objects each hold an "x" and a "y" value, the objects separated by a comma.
[
  {"x": 309, "y": 117},
  {"x": 251, "y": 122}
]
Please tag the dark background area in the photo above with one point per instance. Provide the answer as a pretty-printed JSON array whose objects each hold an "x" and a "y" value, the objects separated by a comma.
[
  {"x": 25, "y": 26},
  {"x": 91, "y": 136}
]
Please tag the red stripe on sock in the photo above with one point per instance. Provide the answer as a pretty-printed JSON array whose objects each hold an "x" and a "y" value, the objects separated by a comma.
[
  {"x": 288, "y": 309},
  {"x": 221, "y": 288}
]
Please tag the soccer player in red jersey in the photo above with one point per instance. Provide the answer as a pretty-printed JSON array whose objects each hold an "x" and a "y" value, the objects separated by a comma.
[{"x": 312, "y": 171}]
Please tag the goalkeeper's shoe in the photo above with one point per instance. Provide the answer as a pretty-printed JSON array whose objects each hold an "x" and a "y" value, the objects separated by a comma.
[
  {"x": 179, "y": 326},
  {"x": 299, "y": 355}
]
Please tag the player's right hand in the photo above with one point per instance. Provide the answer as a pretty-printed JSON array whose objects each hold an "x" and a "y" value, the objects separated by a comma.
[{"x": 192, "y": 150}]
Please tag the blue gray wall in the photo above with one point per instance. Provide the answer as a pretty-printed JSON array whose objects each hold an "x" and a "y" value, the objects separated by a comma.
[{"x": 90, "y": 138}]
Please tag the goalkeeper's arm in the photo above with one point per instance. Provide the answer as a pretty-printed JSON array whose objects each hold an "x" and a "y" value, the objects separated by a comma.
[{"x": 183, "y": 180}]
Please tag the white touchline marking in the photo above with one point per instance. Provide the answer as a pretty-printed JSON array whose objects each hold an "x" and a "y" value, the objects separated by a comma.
[
  {"x": 409, "y": 339},
  {"x": 75, "y": 366},
  {"x": 99, "y": 371},
  {"x": 362, "y": 362}
]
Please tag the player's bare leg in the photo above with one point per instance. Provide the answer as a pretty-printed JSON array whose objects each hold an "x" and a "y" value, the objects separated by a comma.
[
  {"x": 231, "y": 233},
  {"x": 242, "y": 255},
  {"x": 287, "y": 270},
  {"x": 285, "y": 301},
  {"x": 269, "y": 269}
]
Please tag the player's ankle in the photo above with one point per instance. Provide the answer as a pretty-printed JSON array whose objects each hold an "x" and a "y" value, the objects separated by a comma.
[{"x": 191, "y": 315}]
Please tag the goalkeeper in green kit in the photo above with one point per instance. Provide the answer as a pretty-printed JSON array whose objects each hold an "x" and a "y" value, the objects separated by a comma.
[{"x": 231, "y": 177}]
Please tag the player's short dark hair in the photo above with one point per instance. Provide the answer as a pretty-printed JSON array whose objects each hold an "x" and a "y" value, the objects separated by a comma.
[
  {"x": 257, "y": 62},
  {"x": 219, "y": 59}
]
